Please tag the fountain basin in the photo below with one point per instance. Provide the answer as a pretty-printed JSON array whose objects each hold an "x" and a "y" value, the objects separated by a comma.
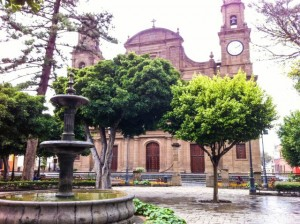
[
  {"x": 66, "y": 146},
  {"x": 69, "y": 100},
  {"x": 115, "y": 207}
]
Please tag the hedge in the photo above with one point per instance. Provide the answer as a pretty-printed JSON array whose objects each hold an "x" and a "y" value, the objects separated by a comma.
[
  {"x": 45, "y": 184},
  {"x": 287, "y": 186}
]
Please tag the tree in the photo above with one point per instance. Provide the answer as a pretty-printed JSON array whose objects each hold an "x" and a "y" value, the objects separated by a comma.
[
  {"x": 128, "y": 94},
  {"x": 42, "y": 33},
  {"x": 218, "y": 113},
  {"x": 18, "y": 120},
  {"x": 281, "y": 25},
  {"x": 289, "y": 134}
]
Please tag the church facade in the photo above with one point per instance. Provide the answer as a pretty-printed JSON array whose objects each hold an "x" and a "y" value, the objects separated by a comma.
[{"x": 153, "y": 151}]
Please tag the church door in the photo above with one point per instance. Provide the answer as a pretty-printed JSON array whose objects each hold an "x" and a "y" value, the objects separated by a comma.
[
  {"x": 152, "y": 157},
  {"x": 197, "y": 159},
  {"x": 114, "y": 162}
]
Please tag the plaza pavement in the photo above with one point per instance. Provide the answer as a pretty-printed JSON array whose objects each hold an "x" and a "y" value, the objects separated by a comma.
[{"x": 245, "y": 208}]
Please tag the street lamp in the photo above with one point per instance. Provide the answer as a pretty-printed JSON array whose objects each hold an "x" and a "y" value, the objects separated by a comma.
[
  {"x": 127, "y": 161},
  {"x": 265, "y": 178},
  {"x": 252, "y": 189}
]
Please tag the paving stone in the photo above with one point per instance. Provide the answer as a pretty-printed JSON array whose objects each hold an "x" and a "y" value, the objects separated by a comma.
[{"x": 245, "y": 208}]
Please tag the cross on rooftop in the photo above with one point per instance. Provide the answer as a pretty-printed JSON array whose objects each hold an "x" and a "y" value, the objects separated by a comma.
[{"x": 153, "y": 21}]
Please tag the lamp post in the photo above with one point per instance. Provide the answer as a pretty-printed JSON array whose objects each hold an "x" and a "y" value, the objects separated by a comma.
[
  {"x": 265, "y": 178},
  {"x": 127, "y": 161},
  {"x": 252, "y": 189}
]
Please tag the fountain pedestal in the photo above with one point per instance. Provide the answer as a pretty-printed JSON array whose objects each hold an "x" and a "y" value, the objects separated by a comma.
[{"x": 66, "y": 162}]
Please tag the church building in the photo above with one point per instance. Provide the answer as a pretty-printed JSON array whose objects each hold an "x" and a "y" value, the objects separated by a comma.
[{"x": 153, "y": 151}]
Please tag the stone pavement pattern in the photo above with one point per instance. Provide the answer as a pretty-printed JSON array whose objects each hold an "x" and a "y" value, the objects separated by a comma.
[{"x": 244, "y": 209}]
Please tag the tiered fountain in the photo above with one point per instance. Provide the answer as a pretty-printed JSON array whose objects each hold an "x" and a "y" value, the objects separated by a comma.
[{"x": 67, "y": 206}]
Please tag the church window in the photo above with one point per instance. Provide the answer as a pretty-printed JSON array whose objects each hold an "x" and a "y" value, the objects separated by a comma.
[
  {"x": 241, "y": 151},
  {"x": 233, "y": 21},
  {"x": 81, "y": 65}
]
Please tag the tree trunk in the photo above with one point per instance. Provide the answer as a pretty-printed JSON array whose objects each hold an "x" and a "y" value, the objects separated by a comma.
[
  {"x": 6, "y": 168},
  {"x": 96, "y": 157},
  {"x": 48, "y": 60},
  {"x": 29, "y": 160},
  {"x": 215, "y": 195},
  {"x": 106, "y": 173}
]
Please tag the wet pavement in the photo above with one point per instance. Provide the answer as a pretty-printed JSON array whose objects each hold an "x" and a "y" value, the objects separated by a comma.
[{"x": 187, "y": 203}]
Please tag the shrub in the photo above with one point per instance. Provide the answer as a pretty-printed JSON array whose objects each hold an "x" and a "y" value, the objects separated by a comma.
[
  {"x": 139, "y": 170},
  {"x": 45, "y": 184},
  {"x": 156, "y": 214},
  {"x": 141, "y": 182},
  {"x": 293, "y": 178},
  {"x": 287, "y": 186}
]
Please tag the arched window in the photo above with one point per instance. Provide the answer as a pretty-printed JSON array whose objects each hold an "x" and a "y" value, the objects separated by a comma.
[
  {"x": 152, "y": 157},
  {"x": 81, "y": 65},
  {"x": 233, "y": 21}
]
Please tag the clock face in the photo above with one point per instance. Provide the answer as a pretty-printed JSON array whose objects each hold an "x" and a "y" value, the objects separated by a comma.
[{"x": 235, "y": 47}]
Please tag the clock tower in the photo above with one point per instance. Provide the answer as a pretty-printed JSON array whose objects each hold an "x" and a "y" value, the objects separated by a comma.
[{"x": 234, "y": 39}]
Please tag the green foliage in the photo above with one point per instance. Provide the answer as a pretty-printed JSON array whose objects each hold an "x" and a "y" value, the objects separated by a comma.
[
  {"x": 130, "y": 92},
  {"x": 294, "y": 178},
  {"x": 16, "y": 5},
  {"x": 155, "y": 214},
  {"x": 44, "y": 184},
  {"x": 218, "y": 113},
  {"x": 142, "y": 182},
  {"x": 19, "y": 117},
  {"x": 287, "y": 186},
  {"x": 209, "y": 110},
  {"x": 289, "y": 134},
  {"x": 139, "y": 170}
]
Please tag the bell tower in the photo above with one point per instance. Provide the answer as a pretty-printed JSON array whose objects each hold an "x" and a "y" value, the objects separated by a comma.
[
  {"x": 234, "y": 39},
  {"x": 87, "y": 51}
]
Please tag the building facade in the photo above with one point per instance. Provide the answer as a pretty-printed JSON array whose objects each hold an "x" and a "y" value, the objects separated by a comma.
[{"x": 153, "y": 150}]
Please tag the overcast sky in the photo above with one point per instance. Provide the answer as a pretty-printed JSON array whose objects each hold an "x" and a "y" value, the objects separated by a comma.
[{"x": 199, "y": 22}]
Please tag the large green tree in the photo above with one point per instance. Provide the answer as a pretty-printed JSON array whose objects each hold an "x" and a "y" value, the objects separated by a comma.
[
  {"x": 289, "y": 134},
  {"x": 19, "y": 118},
  {"x": 218, "y": 113},
  {"x": 281, "y": 25},
  {"x": 128, "y": 94}
]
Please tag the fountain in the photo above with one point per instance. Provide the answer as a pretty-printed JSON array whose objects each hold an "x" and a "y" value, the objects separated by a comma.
[{"x": 67, "y": 206}]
